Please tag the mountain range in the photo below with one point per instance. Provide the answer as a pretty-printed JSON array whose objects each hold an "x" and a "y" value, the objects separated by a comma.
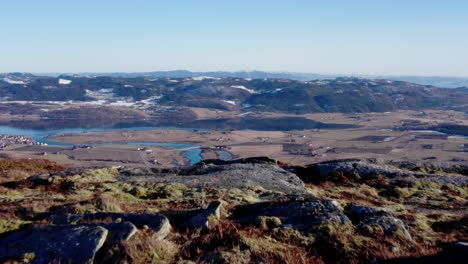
[
  {"x": 227, "y": 93},
  {"x": 439, "y": 81}
]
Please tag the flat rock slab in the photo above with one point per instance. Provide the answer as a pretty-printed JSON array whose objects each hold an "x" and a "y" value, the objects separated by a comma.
[
  {"x": 157, "y": 222},
  {"x": 55, "y": 244},
  {"x": 228, "y": 176}
]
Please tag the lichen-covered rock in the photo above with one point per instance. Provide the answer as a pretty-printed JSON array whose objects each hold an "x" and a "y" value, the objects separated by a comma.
[
  {"x": 357, "y": 170},
  {"x": 302, "y": 215},
  {"x": 228, "y": 176},
  {"x": 138, "y": 220},
  {"x": 365, "y": 218},
  {"x": 55, "y": 244}
]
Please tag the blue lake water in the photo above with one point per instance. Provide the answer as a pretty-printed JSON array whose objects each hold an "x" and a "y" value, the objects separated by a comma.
[{"x": 190, "y": 151}]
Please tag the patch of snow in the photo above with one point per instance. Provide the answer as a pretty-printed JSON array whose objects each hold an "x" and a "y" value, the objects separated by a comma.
[
  {"x": 11, "y": 81},
  {"x": 246, "y": 113},
  {"x": 201, "y": 78},
  {"x": 322, "y": 82},
  {"x": 388, "y": 139},
  {"x": 242, "y": 87},
  {"x": 122, "y": 103},
  {"x": 101, "y": 94},
  {"x": 173, "y": 81},
  {"x": 150, "y": 100},
  {"x": 229, "y": 102},
  {"x": 128, "y": 86},
  {"x": 98, "y": 102},
  {"x": 64, "y": 81}
]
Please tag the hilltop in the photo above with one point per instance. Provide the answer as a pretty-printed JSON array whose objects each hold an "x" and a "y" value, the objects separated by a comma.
[{"x": 242, "y": 211}]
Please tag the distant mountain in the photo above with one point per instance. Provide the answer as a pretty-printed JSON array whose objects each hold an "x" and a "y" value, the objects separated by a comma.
[
  {"x": 439, "y": 81},
  {"x": 246, "y": 94},
  {"x": 215, "y": 74},
  {"x": 445, "y": 82}
]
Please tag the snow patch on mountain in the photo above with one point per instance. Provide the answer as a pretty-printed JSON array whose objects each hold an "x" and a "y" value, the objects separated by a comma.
[
  {"x": 11, "y": 81},
  {"x": 242, "y": 87},
  {"x": 201, "y": 78},
  {"x": 229, "y": 102},
  {"x": 64, "y": 81}
]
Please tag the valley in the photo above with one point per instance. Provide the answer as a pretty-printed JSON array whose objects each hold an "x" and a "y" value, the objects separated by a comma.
[{"x": 364, "y": 135}]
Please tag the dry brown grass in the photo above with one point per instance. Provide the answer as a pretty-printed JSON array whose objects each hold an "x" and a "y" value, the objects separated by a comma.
[
  {"x": 18, "y": 169},
  {"x": 144, "y": 248}
]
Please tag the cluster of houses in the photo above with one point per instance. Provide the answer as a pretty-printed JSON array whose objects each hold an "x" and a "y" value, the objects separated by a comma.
[
  {"x": 220, "y": 147},
  {"x": 8, "y": 140},
  {"x": 222, "y": 139},
  {"x": 76, "y": 147}
]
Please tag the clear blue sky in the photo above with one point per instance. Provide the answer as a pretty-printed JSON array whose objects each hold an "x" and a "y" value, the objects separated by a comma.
[{"x": 391, "y": 37}]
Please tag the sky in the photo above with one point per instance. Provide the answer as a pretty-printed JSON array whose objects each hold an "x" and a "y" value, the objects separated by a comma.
[{"x": 372, "y": 37}]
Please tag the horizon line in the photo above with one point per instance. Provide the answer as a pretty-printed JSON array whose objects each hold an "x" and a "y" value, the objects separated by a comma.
[{"x": 241, "y": 71}]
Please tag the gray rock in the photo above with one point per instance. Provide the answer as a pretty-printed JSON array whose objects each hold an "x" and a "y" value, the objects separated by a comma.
[
  {"x": 363, "y": 217},
  {"x": 118, "y": 231},
  {"x": 364, "y": 170},
  {"x": 55, "y": 244},
  {"x": 461, "y": 248},
  {"x": 162, "y": 229},
  {"x": 301, "y": 215},
  {"x": 153, "y": 221},
  {"x": 201, "y": 220},
  {"x": 231, "y": 175}
]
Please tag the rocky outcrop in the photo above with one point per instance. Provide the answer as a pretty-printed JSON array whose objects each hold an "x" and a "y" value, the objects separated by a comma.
[
  {"x": 61, "y": 244},
  {"x": 358, "y": 171},
  {"x": 302, "y": 215},
  {"x": 366, "y": 218},
  {"x": 240, "y": 175}
]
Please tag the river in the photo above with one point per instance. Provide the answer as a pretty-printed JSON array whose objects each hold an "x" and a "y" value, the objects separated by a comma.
[{"x": 189, "y": 151}]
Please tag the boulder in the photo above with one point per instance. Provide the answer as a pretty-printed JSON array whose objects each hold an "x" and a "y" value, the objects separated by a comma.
[
  {"x": 161, "y": 229},
  {"x": 354, "y": 169},
  {"x": 118, "y": 231},
  {"x": 302, "y": 215},
  {"x": 365, "y": 217},
  {"x": 157, "y": 222},
  {"x": 201, "y": 220},
  {"x": 55, "y": 244}
]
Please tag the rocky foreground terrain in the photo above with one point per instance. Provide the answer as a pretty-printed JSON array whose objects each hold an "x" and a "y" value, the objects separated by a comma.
[{"x": 254, "y": 210}]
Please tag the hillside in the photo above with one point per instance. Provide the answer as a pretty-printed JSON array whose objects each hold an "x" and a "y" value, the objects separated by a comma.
[
  {"x": 253, "y": 210},
  {"x": 277, "y": 95}
]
